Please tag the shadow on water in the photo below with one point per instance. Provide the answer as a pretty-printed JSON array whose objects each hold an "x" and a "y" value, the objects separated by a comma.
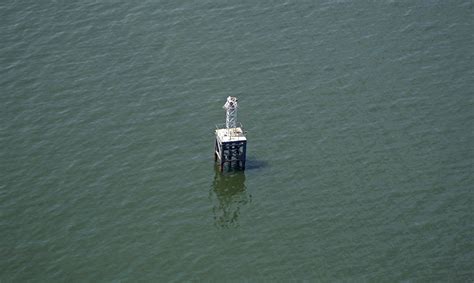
[
  {"x": 228, "y": 194},
  {"x": 255, "y": 164}
]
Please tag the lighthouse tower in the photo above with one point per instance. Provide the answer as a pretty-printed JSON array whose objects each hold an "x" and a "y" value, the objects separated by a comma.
[{"x": 230, "y": 146}]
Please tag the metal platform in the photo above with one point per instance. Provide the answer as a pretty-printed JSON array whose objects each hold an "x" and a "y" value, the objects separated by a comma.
[
  {"x": 231, "y": 134},
  {"x": 230, "y": 147}
]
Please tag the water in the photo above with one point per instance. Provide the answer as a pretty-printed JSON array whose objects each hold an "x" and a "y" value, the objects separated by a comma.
[{"x": 359, "y": 117}]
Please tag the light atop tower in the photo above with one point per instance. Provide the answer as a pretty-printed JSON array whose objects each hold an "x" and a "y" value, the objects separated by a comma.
[{"x": 231, "y": 112}]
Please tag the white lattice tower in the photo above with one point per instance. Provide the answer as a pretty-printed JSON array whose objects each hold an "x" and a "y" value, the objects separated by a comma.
[{"x": 231, "y": 112}]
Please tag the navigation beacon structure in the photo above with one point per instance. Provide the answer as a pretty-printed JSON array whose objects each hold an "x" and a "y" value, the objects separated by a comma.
[{"x": 231, "y": 144}]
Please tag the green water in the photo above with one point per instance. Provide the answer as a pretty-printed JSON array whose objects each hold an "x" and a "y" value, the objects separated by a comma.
[{"x": 360, "y": 141}]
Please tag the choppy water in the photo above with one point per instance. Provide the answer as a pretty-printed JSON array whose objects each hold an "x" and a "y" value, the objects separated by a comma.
[{"x": 360, "y": 125}]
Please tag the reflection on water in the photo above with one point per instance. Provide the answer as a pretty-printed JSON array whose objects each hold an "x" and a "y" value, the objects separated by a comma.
[{"x": 228, "y": 194}]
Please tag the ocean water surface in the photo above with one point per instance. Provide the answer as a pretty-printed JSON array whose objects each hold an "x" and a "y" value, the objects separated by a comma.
[{"x": 360, "y": 141}]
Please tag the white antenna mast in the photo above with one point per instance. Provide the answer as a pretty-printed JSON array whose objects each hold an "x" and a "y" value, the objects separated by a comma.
[{"x": 231, "y": 112}]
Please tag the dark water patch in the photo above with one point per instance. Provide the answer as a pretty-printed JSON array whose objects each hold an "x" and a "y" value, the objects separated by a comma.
[{"x": 256, "y": 164}]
